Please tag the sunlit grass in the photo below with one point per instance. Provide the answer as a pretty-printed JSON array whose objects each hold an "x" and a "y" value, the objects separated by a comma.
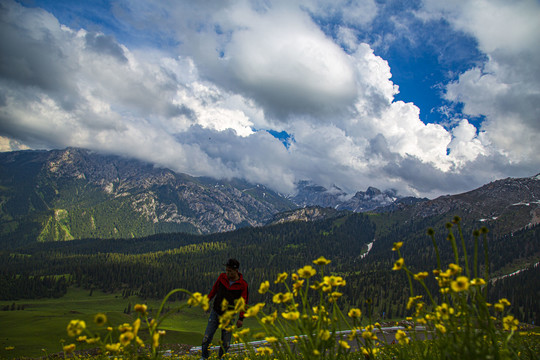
[{"x": 42, "y": 323}]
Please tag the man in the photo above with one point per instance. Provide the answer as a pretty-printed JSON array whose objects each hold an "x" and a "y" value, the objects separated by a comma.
[{"x": 229, "y": 286}]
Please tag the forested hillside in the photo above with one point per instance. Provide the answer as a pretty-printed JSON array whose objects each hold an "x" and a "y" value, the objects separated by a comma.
[{"x": 154, "y": 265}]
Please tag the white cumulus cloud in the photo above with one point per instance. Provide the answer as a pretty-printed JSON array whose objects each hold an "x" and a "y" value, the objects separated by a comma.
[{"x": 237, "y": 69}]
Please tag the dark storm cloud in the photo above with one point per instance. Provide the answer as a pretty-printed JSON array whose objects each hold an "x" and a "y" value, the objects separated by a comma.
[{"x": 105, "y": 44}]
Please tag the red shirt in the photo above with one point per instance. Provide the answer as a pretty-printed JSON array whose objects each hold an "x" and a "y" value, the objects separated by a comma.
[{"x": 223, "y": 289}]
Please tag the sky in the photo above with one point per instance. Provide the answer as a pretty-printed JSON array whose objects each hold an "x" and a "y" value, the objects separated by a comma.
[{"x": 425, "y": 97}]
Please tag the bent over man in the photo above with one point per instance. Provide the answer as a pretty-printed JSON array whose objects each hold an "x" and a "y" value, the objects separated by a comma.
[{"x": 229, "y": 286}]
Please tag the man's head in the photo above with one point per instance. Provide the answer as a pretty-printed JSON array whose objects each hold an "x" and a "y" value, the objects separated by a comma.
[{"x": 231, "y": 269}]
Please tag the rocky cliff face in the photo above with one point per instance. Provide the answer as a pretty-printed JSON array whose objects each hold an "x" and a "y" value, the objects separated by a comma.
[{"x": 115, "y": 194}]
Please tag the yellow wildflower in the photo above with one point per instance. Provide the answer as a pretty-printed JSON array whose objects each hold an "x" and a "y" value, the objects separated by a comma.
[
  {"x": 139, "y": 341},
  {"x": 498, "y": 307},
  {"x": 195, "y": 299},
  {"x": 444, "y": 311},
  {"x": 317, "y": 285},
  {"x": 136, "y": 326},
  {"x": 412, "y": 300},
  {"x": 421, "y": 275},
  {"x": 68, "y": 349},
  {"x": 398, "y": 264},
  {"x": 9, "y": 348},
  {"x": 241, "y": 333},
  {"x": 319, "y": 310},
  {"x": 369, "y": 335},
  {"x": 82, "y": 338},
  {"x": 125, "y": 327},
  {"x": 316, "y": 352},
  {"x": 125, "y": 338},
  {"x": 75, "y": 327},
  {"x": 113, "y": 347},
  {"x": 324, "y": 334},
  {"x": 478, "y": 282},
  {"x": 297, "y": 286},
  {"x": 505, "y": 302},
  {"x": 100, "y": 319},
  {"x": 239, "y": 304},
  {"x": 92, "y": 340},
  {"x": 441, "y": 328},
  {"x": 455, "y": 269},
  {"x": 225, "y": 319},
  {"x": 259, "y": 335},
  {"x": 142, "y": 308},
  {"x": 281, "y": 278},
  {"x": 269, "y": 319},
  {"x": 334, "y": 296},
  {"x": 332, "y": 281},
  {"x": 282, "y": 298},
  {"x": 155, "y": 340},
  {"x": 306, "y": 272},
  {"x": 344, "y": 344},
  {"x": 205, "y": 305},
  {"x": 370, "y": 352},
  {"x": 355, "y": 313},
  {"x": 264, "y": 350},
  {"x": 401, "y": 337},
  {"x": 419, "y": 307},
  {"x": 321, "y": 261},
  {"x": 254, "y": 310},
  {"x": 292, "y": 315},
  {"x": 397, "y": 245},
  {"x": 509, "y": 323},
  {"x": 271, "y": 339},
  {"x": 265, "y": 285},
  {"x": 445, "y": 274},
  {"x": 224, "y": 305},
  {"x": 460, "y": 284}
]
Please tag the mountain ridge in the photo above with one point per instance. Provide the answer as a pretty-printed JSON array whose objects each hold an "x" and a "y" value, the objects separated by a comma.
[
  {"x": 76, "y": 193},
  {"x": 65, "y": 191}
]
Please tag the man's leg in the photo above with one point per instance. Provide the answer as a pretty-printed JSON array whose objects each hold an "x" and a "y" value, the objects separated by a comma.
[
  {"x": 213, "y": 324},
  {"x": 225, "y": 342}
]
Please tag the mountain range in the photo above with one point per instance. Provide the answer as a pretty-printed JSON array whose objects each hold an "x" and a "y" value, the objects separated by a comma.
[{"x": 76, "y": 193}]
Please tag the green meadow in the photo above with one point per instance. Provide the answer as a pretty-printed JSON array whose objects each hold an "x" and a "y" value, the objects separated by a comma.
[{"x": 38, "y": 329}]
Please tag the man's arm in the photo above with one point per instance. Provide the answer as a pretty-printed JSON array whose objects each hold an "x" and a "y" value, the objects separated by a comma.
[{"x": 214, "y": 290}]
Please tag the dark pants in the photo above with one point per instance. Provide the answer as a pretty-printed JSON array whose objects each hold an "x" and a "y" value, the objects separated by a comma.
[{"x": 213, "y": 325}]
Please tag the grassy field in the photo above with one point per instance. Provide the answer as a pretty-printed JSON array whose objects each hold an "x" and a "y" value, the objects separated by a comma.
[{"x": 42, "y": 323}]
